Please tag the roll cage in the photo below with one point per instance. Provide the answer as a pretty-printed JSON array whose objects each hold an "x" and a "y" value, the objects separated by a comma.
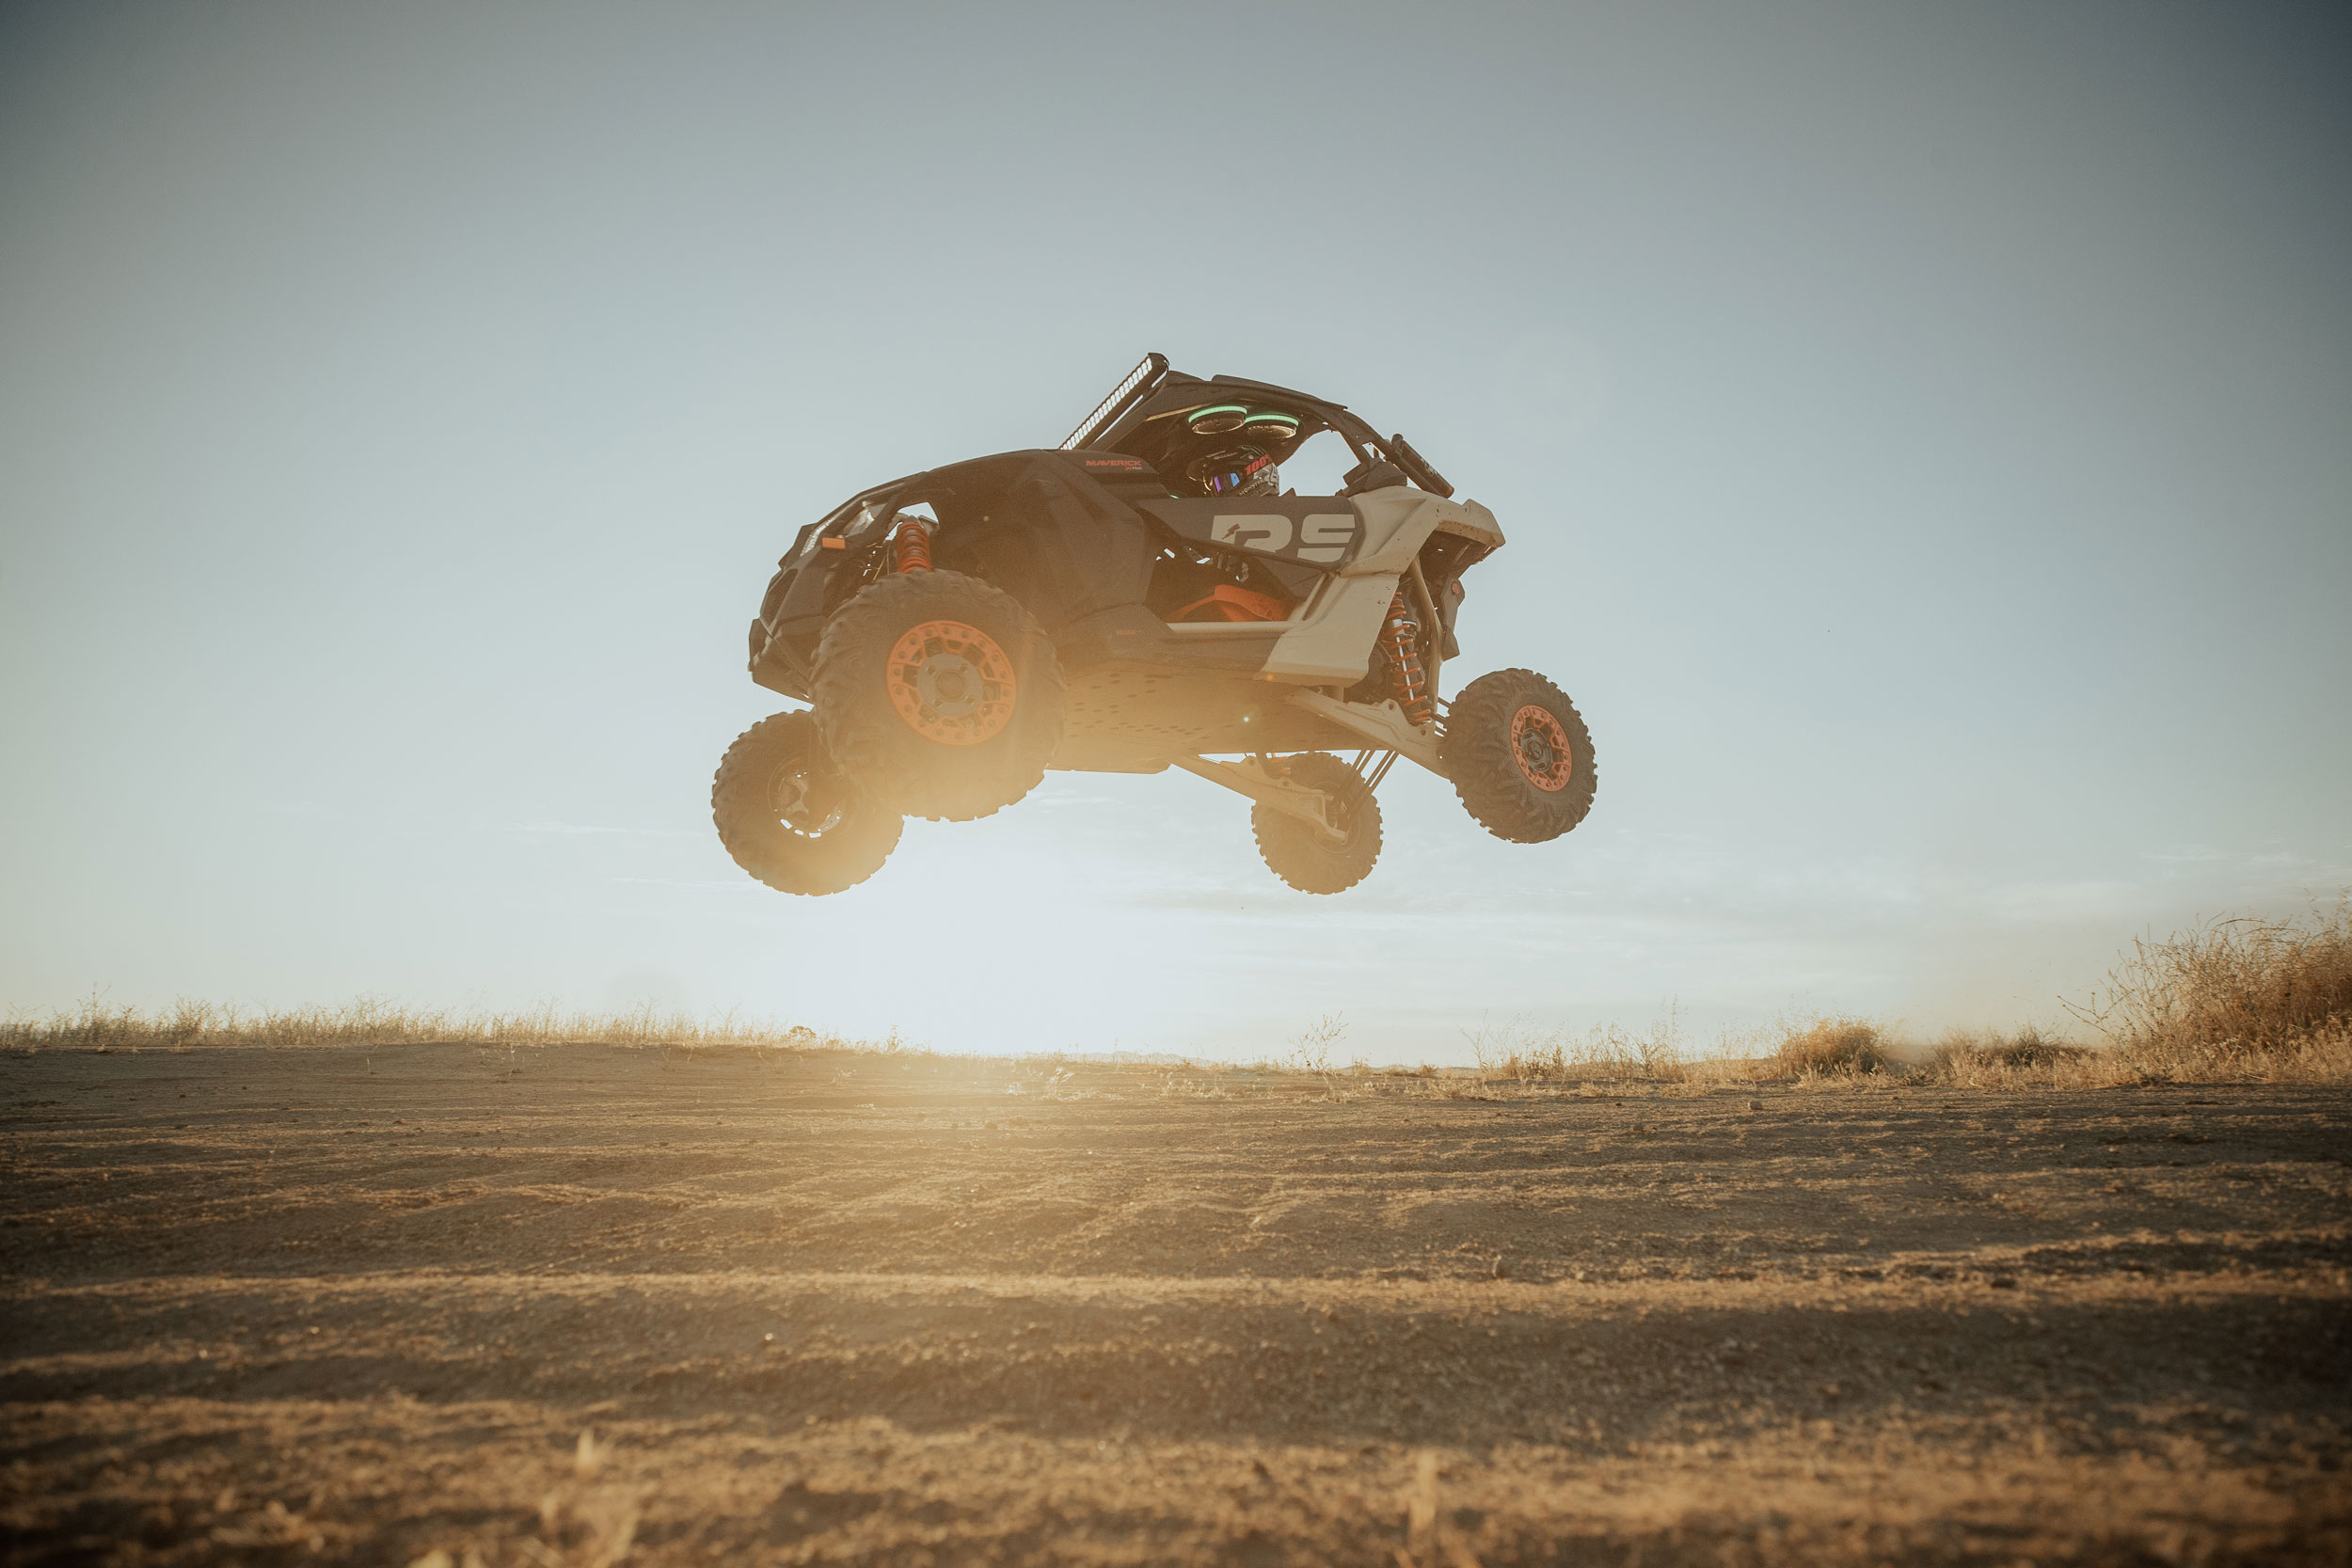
[{"x": 1140, "y": 417}]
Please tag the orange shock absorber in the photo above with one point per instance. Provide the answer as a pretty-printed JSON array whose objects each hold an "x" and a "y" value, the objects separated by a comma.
[
  {"x": 1402, "y": 638},
  {"x": 911, "y": 545}
]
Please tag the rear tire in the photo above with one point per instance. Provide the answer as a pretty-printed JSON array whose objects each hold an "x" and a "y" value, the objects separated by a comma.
[
  {"x": 788, "y": 816},
  {"x": 1295, "y": 853},
  {"x": 1519, "y": 757},
  {"x": 940, "y": 694}
]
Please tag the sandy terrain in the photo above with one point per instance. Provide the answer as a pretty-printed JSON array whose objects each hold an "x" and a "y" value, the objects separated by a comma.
[{"x": 303, "y": 1306}]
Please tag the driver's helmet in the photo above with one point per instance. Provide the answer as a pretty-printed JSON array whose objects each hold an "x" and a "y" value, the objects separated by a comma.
[{"x": 1236, "y": 471}]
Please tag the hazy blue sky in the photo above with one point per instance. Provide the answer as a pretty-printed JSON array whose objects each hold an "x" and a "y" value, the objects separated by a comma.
[{"x": 1924, "y": 436}]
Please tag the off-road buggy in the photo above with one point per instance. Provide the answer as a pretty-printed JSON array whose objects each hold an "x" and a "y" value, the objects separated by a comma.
[{"x": 1133, "y": 599}]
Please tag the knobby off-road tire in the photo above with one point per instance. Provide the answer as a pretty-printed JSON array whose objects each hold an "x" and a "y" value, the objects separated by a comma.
[
  {"x": 939, "y": 695},
  {"x": 1519, "y": 757},
  {"x": 788, "y": 816},
  {"x": 1295, "y": 853}
]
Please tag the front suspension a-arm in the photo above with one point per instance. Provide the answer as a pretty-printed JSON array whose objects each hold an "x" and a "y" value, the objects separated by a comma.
[
  {"x": 1270, "y": 789},
  {"x": 1383, "y": 726}
]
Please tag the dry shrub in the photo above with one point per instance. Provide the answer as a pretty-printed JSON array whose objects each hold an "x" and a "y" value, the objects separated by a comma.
[
  {"x": 1311, "y": 1052},
  {"x": 2322, "y": 1056},
  {"x": 1835, "y": 1047},
  {"x": 1972, "y": 1059},
  {"x": 2239, "y": 998}
]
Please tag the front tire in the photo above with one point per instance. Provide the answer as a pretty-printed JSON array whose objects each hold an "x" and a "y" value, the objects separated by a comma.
[
  {"x": 788, "y": 816},
  {"x": 940, "y": 693},
  {"x": 1519, "y": 757},
  {"x": 1303, "y": 858}
]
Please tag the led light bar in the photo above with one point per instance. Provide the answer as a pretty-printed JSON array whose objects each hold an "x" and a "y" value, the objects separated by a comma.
[{"x": 1152, "y": 367}]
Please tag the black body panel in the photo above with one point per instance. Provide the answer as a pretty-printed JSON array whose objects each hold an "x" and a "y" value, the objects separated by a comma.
[
  {"x": 1055, "y": 530},
  {"x": 1075, "y": 536}
]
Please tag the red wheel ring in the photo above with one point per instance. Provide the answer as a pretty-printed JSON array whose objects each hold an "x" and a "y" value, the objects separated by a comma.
[
  {"x": 1539, "y": 744},
  {"x": 951, "y": 683}
]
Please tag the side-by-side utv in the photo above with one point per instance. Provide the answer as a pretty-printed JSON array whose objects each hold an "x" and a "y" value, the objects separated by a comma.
[{"x": 1136, "y": 599}]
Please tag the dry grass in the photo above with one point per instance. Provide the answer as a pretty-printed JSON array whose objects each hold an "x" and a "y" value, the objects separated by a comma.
[
  {"x": 1519, "y": 1052},
  {"x": 185, "y": 1024},
  {"x": 2240, "y": 1000}
]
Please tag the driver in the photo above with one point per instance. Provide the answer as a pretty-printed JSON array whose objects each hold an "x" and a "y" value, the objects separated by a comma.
[{"x": 1236, "y": 471}]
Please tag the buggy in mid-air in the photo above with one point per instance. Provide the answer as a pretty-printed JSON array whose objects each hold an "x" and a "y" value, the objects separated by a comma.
[{"x": 1136, "y": 598}]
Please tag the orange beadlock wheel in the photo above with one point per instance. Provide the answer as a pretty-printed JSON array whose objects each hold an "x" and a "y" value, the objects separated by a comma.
[
  {"x": 951, "y": 683},
  {"x": 1518, "y": 755},
  {"x": 1540, "y": 746}
]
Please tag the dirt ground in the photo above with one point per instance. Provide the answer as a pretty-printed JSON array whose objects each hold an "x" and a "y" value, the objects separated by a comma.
[{"x": 587, "y": 1305}]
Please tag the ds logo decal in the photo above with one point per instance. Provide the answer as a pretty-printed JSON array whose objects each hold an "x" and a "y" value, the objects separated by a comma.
[
  {"x": 1271, "y": 531},
  {"x": 1327, "y": 535},
  {"x": 1323, "y": 536}
]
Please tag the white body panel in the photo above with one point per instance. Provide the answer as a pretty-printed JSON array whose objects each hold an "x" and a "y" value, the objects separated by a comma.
[{"x": 1330, "y": 637}]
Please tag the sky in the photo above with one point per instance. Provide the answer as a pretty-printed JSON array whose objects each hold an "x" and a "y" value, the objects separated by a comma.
[{"x": 1923, "y": 435}]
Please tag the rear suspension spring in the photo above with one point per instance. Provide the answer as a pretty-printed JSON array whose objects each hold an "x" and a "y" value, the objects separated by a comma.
[{"x": 1401, "y": 638}]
